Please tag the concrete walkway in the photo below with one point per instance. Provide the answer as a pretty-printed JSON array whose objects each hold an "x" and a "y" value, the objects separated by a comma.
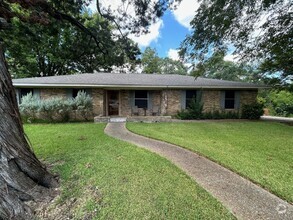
[{"x": 243, "y": 198}]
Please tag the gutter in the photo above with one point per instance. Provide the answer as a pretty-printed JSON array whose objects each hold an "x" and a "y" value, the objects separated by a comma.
[{"x": 58, "y": 85}]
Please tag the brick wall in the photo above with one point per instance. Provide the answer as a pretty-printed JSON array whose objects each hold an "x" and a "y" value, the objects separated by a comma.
[
  {"x": 52, "y": 92},
  {"x": 211, "y": 100},
  {"x": 247, "y": 97},
  {"x": 168, "y": 100},
  {"x": 98, "y": 102},
  {"x": 173, "y": 102},
  {"x": 125, "y": 104}
]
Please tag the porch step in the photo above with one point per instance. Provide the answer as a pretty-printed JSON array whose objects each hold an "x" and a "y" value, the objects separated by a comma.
[{"x": 117, "y": 120}]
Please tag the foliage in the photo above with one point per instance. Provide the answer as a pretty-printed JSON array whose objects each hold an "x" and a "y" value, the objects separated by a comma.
[
  {"x": 252, "y": 111},
  {"x": 29, "y": 106},
  {"x": 195, "y": 111},
  {"x": 260, "y": 151},
  {"x": 217, "y": 68},
  {"x": 279, "y": 102},
  {"x": 261, "y": 31},
  {"x": 82, "y": 153},
  {"x": 170, "y": 66},
  {"x": 56, "y": 109},
  {"x": 63, "y": 49},
  {"x": 152, "y": 63},
  {"x": 221, "y": 115}
]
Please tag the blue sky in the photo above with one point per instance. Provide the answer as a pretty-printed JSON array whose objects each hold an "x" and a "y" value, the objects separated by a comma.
[
  {"x": 168, "y": 32},
  {"x": 172, "y": 33}
]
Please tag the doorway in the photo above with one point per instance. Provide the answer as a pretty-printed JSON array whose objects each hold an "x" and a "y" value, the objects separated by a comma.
[{"x": 113, "y": 102}]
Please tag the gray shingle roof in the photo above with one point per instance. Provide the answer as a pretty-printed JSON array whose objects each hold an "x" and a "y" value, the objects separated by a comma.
[{"x": 114, "y": 80}]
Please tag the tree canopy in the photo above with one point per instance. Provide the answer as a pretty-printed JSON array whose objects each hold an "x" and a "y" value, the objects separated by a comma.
[
  {"x": 152, "y": 63},
  {"x": 63, "y": 49},
  {"x": 216, "y": 67},
  {"x": 261, "y": 31}
]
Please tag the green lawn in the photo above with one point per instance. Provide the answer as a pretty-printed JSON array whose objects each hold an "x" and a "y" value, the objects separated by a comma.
[
  {"x": 260, "y": 151},
  {"x": 105, "y": 178}
]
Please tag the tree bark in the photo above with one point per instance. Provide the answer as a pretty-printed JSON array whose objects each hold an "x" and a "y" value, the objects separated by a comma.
[{"x": 22, "y": 175}]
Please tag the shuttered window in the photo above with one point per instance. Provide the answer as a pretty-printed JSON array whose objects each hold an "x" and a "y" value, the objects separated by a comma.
[
  {"x": 190, "y": 94},
  {"x": 229, "y": 99},
  {"x": 141, "y": 98}
]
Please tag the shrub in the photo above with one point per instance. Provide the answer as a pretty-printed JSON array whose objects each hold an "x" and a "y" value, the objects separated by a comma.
[
  {"x": 252, "y": 111},
  {"x": 220, "y": 115},
  {"x": 280, "y": 102},
  {"x": 29, "y": 106},
  {"x": 193, "y": 111},
  {"x": 56, "y": 109}
]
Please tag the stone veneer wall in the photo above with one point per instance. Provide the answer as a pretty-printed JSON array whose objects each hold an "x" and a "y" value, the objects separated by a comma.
[
  {"x": 98, "y": 102},
  {"x": 125, "y": 105},
  {"x": 211, "y": 100},
  {"x": 247, "y": 97},
  {"x": 168, "y": 100},
  {"x": 53, "y": 92},
  {"x": 171, "y": 102}
]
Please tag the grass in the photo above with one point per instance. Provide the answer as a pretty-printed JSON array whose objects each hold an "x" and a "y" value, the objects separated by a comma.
[
  {"x": 260, "y": 151},
  {"x": 104, "y": 178}
]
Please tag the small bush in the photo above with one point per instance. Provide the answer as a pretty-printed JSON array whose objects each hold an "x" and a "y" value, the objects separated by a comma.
[
  {"x": 193, "y": 111},
  {"x": 56, "y": 109},
  {"x": 252, "y": 111},
  {"x": 29, "y": 106}
]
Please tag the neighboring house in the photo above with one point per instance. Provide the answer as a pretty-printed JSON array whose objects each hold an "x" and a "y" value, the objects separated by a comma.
[{"x": 142, "y": 94}]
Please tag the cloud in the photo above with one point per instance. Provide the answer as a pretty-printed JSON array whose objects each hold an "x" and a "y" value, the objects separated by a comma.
[
  {"x": 231, "y": 57},
  {"x": 145, "y": 40},
  {"x": 173, "y": 54},
  {"x": 185, "y": 12}
]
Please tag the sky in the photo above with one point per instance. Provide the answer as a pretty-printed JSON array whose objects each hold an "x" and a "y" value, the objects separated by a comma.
[{"x": 168, "y": 32}]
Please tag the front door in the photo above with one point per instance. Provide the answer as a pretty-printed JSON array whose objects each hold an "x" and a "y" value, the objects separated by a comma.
[{"x": 113, "y": 102}]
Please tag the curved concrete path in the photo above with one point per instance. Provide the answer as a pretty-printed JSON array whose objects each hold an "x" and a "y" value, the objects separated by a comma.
[{"x": 243, "y": 198}]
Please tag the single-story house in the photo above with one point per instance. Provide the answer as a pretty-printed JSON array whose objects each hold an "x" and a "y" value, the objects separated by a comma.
[{"x": 142, "y": 94}]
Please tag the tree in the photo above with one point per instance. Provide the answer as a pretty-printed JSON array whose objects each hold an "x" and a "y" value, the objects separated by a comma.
[
  {"x": 217, "y": 68},
  {"x": 150, "y": 61},
  {"x": 62, "y": 49},
  {"x": 261, "y": 31},
  {"x": 22, "y": 175},
  {"x": 170, "y": 66}
]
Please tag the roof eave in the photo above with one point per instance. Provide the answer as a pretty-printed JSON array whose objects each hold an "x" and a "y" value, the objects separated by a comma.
[{"x": 59, "y": 85}]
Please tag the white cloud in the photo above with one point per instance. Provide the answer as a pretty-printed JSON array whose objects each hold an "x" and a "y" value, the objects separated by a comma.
[
  {"x": 231, "y": 57},
  {"x": 185, "y": 12},
  {"x": 145, "y": 40},
  {"x": 173, "y": 54}
]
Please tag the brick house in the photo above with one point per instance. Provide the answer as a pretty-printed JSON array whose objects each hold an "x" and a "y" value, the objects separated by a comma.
[{"x": 142, "y": 94}]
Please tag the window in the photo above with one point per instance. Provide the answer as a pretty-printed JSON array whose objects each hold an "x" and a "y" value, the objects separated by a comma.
[
  {"x": 190, "y": 94},
  {"x": 141, "y": 99},
  {"x": 75, "y": 92},
  {"x": 25, "y": 91},
  {"x": 229, "y": 99}
]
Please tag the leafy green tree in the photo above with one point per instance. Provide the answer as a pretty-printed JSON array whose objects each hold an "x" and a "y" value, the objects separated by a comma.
[
  {"x": 217, "y": 68},
  {"x": 150, "y": 61},
  {"x": 261, "y": 31},
  {"x": 62, "y": 49},
  {"x": 170, "y": 66},
  {"x": 22, "y": 176}
]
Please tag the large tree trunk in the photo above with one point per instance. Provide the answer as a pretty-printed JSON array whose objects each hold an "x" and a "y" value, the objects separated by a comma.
[{"x": 22, "y": 176}]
